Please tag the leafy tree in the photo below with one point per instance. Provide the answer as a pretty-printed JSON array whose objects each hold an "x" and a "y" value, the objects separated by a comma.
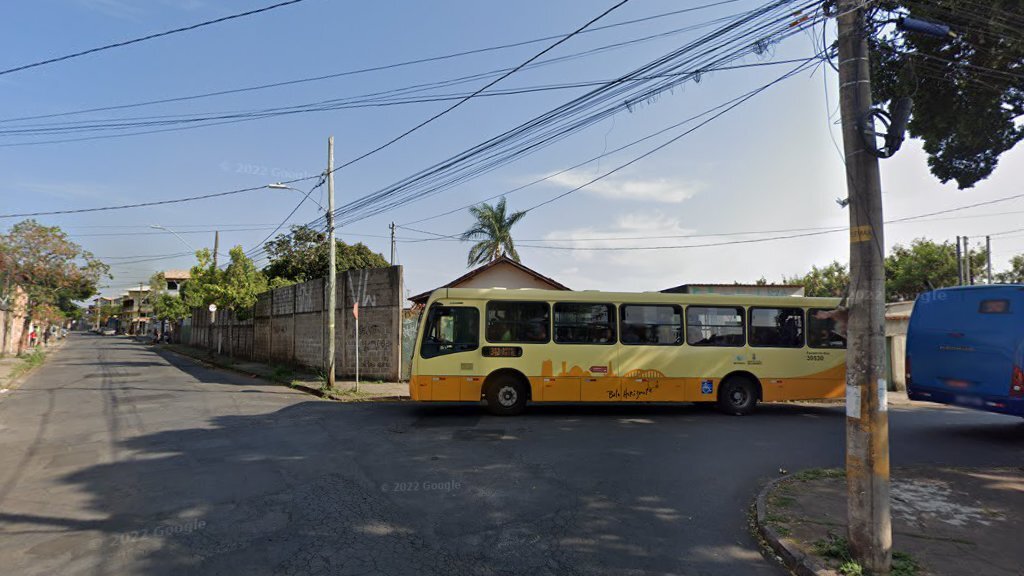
[
  {"x": 51, "y": 269},
  {"x": 828, "y": 281},
  {"x": 925, "y": 265},
  {"x": 493, "y": 233},
  {"x": 166, "y": 306},
  {"x": 967, "y": 91},
  {"x": 1015, "y": 275},
  {"x": 303, "y": 253}
]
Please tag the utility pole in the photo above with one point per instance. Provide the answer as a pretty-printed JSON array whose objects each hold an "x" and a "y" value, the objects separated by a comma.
[
  {"x": 216, "y": 246},
  {"x": 959, "y": 264},
  {"x": 392, "y": 243},
  {"x": 332, "y": 286},
  {"x": 98, "y": 314},
  {"x": 867, "y": 422},
  {"x": 988, "y": 258},
  {"x": 968, "y": 269}
]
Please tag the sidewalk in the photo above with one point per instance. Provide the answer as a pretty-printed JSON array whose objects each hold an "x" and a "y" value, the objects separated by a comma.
[
  {"x": 12, "y": 368},
  {"x": 945, "y": 521},
  {"x": 345, "y": 390}
]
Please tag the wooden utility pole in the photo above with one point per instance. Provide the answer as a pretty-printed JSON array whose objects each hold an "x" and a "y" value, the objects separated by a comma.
[
  {"x": 332, "y": 286},
  {"x": 216, "y": 246},
  {"x": 867, "y": 422},
  {"x": 392, "y": 243}
]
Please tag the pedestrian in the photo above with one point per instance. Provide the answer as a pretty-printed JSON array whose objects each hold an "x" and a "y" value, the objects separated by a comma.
[
  {"x": 46, "y": 337},
  {"x": 32, "y": 338}
]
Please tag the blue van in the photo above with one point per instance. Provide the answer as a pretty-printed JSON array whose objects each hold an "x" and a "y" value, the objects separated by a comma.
[{"x": 965, "y": 346}]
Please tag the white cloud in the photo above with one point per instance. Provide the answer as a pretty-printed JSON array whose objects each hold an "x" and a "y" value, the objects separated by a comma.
[{"x": 667, "y": 190}]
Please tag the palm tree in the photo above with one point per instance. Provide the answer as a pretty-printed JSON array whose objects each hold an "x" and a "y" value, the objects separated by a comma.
[{"x": 493, "y": 232}]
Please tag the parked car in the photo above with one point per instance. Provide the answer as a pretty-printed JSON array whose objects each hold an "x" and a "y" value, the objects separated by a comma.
[
  {"x": 965, "y": 346},
  {"x": 108, "y": 332}
]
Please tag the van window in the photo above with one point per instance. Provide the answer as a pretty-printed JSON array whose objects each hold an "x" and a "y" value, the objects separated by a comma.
[
  {"x": 824, "y": 330},
  {"x": 651, "y": 325},
  {"x": 714, "y": 326},
  {"x": 994, "y": 307},
  {"x": 450, "y": 329},
  {"x": 519, "y": 322},
  {"x": 777, "y": 327},
  {"x": 579, "y": 323}
]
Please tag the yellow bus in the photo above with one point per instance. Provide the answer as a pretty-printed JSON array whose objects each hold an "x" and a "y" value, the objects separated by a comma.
[{"x": 511, "y": 347}]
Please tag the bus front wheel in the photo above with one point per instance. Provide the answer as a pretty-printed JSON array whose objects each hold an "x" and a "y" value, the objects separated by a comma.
[
  {"x": 506, "y": 396},
  {"x": 737, "y": 395}
]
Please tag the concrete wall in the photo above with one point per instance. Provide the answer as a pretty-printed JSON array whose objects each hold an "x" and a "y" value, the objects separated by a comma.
[
  {"x": 12, "y": 320},
  {"x": 289, "y": 325}
]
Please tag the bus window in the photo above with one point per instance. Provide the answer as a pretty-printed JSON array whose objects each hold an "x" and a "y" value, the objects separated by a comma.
[
  {"x": 519, "y": 322},
  {"x": 777, "y": 327},
  {"x": 450, "y": 329},
  {"x": 577, "y": 323},
  {"x": 823, "y": 331},
  {"x": 714, "y": 326},
  {"x": 650, "y": 325}
]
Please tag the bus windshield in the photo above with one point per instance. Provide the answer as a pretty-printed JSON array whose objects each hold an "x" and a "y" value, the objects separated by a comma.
[{"x": 450, "y": 329}]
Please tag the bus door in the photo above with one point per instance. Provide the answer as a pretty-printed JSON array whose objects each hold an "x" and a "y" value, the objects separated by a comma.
[
  {"x": 650, "y": 340},
  {"x": 583, "y": 363}
]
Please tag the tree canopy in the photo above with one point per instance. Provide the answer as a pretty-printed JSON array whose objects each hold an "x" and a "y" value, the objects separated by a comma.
[
  {"x": 827, "y": 281},
  {"x": 53, "y": 271},
  {"x": 302, "y": 255},
  {"x": 967, "y": 91},
  {"x": 234, "y": 288},
  {"x": 492, "y": 232},
  {"x": 166, "y": 306}
]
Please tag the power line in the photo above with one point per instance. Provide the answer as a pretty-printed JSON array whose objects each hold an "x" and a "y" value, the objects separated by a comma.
[
  {"x": 364, "y": 70},
  {"x": 145, "y": 204},
  {"x": 481, "y": 89},
  {"x": 149, "y": 37}
]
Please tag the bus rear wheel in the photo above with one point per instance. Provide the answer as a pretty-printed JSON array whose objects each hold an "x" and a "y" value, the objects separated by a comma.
[
  {"x": 737, "y": 395},
  {"x": 506, "y": 396}
]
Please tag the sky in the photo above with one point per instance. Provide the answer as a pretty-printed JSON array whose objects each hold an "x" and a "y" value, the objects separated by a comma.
[{"x": 770, "y": 164}]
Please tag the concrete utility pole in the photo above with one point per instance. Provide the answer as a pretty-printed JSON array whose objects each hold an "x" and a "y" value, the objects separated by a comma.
[
  {"x": 332, "y": 281},
  {"x": 959, "y": 264},
  {"x": 216, "y": 246},
  {"x": 968, "y": 272},
  {"x": 392, "y": 243},
  {"x": 98, "y": 314},
  {"x": 988, "y": 258},
  {"x": 867, "y": 422}
]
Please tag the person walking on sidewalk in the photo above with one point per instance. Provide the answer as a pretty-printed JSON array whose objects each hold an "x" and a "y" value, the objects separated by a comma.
[
  {"x": 46, "y": 337},
  {"x": 32, "y": 337}
]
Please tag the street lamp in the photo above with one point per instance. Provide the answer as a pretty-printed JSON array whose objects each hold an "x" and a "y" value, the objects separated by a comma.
[
  {"x": 280, "y": 186},
  {"x": 159, "y": 227}
]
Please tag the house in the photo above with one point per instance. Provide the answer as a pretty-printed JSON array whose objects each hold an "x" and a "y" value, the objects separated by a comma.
[
  {"x": 738, "y": 289},
  {"x": 175, "y": 278},
  {"x": 502, "y": 272},
  {"x": 135, "y": 307}
]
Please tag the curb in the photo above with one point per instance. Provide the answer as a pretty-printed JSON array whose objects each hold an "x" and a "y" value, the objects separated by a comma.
[
  {"x": 799, "y": 562},
  {"x": 301, "y": 388},
  {"x": 14, "y": 383}
]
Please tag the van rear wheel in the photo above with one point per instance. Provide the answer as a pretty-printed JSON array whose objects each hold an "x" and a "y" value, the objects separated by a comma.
[
  {"x": 506, "y": 396},
  {"x": 737, "y": 395}
]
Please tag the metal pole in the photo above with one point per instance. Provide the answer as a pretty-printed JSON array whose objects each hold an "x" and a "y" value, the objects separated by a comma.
[
  {"x": 332, "y": 265},
  {"x": 959, "y": 264},
  {"x": 988, "y": 258},
  {"x": 867, "y": 422},
  {"x": 357, "y": 353},
  {"x": 216, "y": 246}
]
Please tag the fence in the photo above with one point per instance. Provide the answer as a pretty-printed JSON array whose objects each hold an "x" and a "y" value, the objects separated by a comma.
[{"x": 289, "y": 325}]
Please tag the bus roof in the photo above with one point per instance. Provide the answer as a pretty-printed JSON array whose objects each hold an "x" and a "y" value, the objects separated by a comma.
[{"x": 628, "y": 297}]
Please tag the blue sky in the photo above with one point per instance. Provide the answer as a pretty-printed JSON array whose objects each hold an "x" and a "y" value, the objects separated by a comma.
[{"x": 768, "y": 165}]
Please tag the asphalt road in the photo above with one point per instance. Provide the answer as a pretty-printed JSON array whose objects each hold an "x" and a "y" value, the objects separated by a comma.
[{"x": 116, "y": 459}]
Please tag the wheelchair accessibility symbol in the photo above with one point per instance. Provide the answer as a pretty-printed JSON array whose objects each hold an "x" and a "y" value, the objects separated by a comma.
[{"x": 706, "y": 387}]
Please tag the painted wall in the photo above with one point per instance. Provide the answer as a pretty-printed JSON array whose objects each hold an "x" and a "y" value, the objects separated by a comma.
[{"x": 504, "y": 276}]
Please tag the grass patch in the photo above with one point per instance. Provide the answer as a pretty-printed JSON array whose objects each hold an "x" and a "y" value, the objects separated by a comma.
[
  {"x": 782, "y": 501},
  {"x": 838, "y": 549},
  {"x": 904, "y": 565},
  {"x": 280, "y": 373},
  {"x": 819, "y": 474},
  {"x": 28, "y": 361}
]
